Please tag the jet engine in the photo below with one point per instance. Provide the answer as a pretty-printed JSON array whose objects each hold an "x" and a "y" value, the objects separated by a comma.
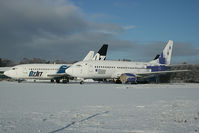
[{"x": 128, "y": 78}]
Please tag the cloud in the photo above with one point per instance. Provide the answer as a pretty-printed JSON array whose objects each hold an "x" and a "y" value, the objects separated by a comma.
[
  {"x": 185, "y": 49},
  {"x": 58, "y": 29},
  {"x": 179, "y": 48},
  {"x": 129, "y": 27},
  {"x": 106, "y": 28},
  {"x": 146, "y": 51},
  {"x": 40, "y": 27}
]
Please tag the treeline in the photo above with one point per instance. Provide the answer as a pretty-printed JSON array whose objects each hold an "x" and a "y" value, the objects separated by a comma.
[
  {"x": 190, "y": 76},
  {"x": 6, "y": 63},
  {"x": 9, "y": 63}
]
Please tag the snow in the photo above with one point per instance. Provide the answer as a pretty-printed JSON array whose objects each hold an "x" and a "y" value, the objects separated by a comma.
[{"x": 97, "y": 107}]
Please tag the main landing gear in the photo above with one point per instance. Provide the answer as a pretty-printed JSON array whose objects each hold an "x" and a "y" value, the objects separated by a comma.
[
  {"x": 53, "y": 80},
  {"x": 19, "y": 81},
  {"x": 57, "y": 81},
  {"x": 65, "y": 80},
  {"x": 82, "y": 82}
]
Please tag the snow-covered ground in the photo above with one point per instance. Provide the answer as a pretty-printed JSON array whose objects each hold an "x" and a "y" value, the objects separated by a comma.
[{"x": 102, "y": 108}]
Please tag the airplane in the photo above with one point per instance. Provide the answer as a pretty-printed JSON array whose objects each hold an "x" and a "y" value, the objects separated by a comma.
[
  {"x": 126, "y": 72},
  {"x": 100, "y": 55},
  {"x": 52, "y": 72}
]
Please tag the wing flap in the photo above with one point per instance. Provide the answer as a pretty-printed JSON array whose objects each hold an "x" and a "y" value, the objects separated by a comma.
[
  {"x": 160, "y": 72},
  {"x": 58, "y": 75}
]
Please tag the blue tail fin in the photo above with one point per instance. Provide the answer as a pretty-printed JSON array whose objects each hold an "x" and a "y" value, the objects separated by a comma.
[
  {"x": 62, "y": 69},
  {"x": 165, "y": 57}
]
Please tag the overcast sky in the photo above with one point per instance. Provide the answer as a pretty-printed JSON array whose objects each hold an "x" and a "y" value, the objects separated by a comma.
[{"x": 66, "y": 29}]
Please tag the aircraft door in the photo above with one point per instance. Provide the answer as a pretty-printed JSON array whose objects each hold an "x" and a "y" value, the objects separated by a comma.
[
  {"x": 90, "y": 69},
  {"x": 15, "y": 72},
  {"x": 81, "y": 70},
  {"x": 24, "y": 71}
]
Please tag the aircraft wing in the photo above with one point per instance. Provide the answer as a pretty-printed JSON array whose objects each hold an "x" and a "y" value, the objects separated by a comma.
[
  {"x": 174, "y": 65},
  {"x": 58, "y": 75},
  {"x": 160, "y": 72}
]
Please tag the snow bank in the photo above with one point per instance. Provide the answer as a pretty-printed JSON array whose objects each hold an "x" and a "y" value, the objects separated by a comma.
[{"x": 49, "y": 107}]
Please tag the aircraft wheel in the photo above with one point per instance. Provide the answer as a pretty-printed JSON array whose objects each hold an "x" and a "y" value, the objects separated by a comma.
[
  {"x": 81, "y": 82},
  {"x": 52, "y": 80},
  {"x": 118, "y": 81},
  {"x": 19, "y": 81},
  {"x": 57, "y": 81}
]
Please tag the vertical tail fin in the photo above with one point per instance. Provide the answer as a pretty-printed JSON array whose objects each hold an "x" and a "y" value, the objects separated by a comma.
[
  {"x": 165, "y": 57},
  {"x": 89, "y": 56},
  {"x": 101, "y": 54}
]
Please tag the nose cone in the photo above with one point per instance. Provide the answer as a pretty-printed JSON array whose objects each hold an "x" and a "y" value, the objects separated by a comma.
[
  {"x": 8, "y": 73},
  {"x": 69, "y": 71}
]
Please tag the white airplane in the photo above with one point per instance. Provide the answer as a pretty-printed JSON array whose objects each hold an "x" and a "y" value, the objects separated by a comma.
[
  {"x": 100, "y": 55},
  {"x": 49, "y": 71},
  {"x": 126, "y": 72}
]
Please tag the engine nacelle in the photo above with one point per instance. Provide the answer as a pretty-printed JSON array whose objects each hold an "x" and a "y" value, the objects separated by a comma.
[{"x": 128, "y": 78}]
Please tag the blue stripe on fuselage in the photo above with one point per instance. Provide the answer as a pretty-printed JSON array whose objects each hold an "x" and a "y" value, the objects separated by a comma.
[
  {"x": 157, "y": 68},
  {"x": 129, "y": 74}
]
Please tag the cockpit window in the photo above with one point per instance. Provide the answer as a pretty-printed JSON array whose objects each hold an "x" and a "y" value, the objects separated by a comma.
[
  {"x": 78, "y": 65},
  {"x": 13, "y": 68}
]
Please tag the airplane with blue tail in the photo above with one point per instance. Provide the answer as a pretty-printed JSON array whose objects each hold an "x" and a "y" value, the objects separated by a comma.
[{"x": 123, "y": 71}]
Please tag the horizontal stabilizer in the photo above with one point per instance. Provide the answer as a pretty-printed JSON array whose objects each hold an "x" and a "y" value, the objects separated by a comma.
[{"x": 157, "y": 56}]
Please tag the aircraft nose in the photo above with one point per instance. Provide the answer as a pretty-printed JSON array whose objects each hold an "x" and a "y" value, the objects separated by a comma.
[
  {"x": 7, "y": 73},
  {"x": 69, "y": 71}
]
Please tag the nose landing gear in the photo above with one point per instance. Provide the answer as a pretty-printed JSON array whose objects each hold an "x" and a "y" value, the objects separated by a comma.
[
  {"x": 81, "y": 82},
  {"x": 66, "y": 80}
]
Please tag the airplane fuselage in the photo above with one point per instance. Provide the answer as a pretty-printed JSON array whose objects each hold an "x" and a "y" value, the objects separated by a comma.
[
  {"x": 34, "y": 71},
  {"x": 111, "y": 69},
  {"x": 126, "y": 72},
  {"x": 50, "y": 71}
]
